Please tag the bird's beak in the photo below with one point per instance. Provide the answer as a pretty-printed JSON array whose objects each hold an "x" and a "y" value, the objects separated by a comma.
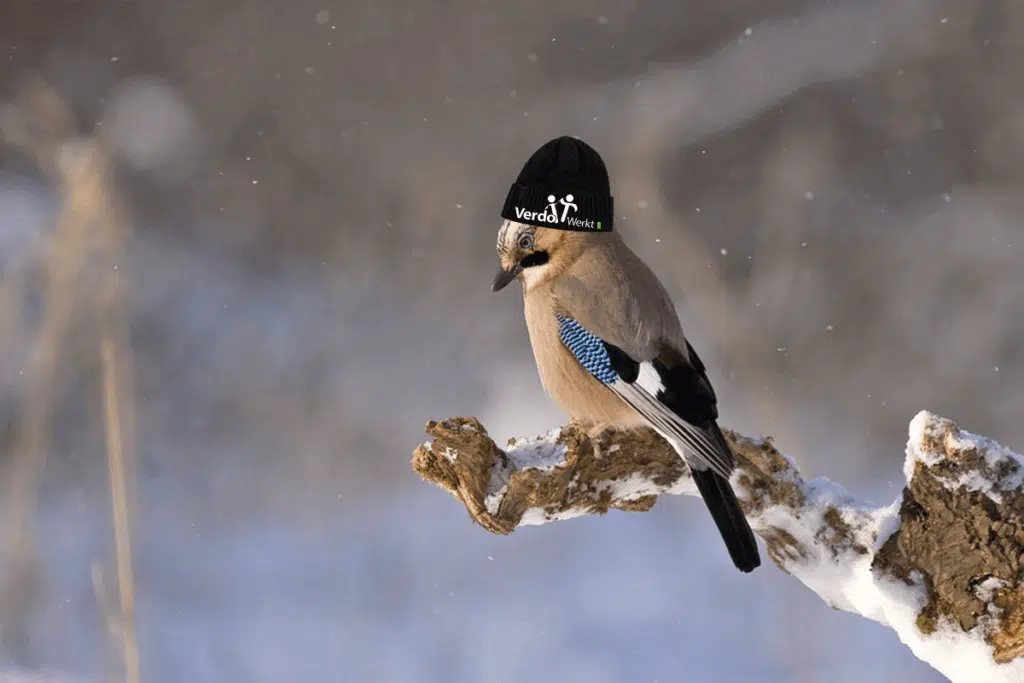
[{"x": 504, "y": 277}]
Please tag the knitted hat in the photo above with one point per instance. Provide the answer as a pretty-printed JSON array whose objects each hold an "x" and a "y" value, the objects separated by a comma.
[{"x": 564, "y": 185}]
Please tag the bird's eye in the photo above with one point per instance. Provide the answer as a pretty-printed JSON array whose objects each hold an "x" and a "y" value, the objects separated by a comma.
[{"x": 526, "y": 242}]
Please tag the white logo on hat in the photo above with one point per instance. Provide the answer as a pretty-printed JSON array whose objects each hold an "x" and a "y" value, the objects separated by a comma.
[
  {"x": 551, "y": 213},
  {"x": 566, "y": 201}
]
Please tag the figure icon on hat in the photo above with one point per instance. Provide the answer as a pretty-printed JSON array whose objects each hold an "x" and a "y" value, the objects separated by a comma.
[
  {"x": 566, "y": 203},
  {"x": 553, "y": 206}
]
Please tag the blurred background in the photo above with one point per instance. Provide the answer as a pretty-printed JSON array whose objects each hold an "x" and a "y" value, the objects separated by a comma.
[{"x": 308, "y": 194}]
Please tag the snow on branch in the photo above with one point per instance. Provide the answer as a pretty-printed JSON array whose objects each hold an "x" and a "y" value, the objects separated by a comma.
[{"x": 941, "y": 565}]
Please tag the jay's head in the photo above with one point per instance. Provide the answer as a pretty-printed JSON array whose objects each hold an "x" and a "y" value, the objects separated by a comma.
[
  {"x": 562, "y": 190},
  {"x": 525, "y": 252}
]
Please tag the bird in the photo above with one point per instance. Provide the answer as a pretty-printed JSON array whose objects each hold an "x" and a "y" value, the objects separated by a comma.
[{"x": 607, "y": 340}]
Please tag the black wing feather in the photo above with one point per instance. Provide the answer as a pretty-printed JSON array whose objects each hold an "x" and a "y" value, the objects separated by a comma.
[
  {"x": 687, "y": 392},
  {"x": 624, "y": 366}
]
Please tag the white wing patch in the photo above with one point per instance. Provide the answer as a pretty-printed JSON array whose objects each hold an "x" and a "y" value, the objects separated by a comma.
[{"x": 649, "y": 379}]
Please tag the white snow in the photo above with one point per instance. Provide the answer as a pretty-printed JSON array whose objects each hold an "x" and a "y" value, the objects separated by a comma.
[
  {"x": 986, "y": 589},
  {"x": 841, "y": 576},
  {"x": 538, "y": 516},
  {"x": 495, "y": 494},
  {"x": 497, "y": 485},
  {"x": 846, "y": 580},
  {"x": 543, "y": 453},
  {"x": 927, "y": 427},
  {"x": 633, "y": 487}
]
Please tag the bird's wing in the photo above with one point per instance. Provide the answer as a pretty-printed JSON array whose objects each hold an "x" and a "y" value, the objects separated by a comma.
[
  {"x": 613, "y": 293},
  {"x": 670, "y": 390}
]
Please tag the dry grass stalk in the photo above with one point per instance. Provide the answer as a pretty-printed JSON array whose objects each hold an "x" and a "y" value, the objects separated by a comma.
[{"x": 90, "y": 230}]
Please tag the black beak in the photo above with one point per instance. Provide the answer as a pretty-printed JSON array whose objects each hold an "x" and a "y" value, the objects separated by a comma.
[{"x": 504, "y": 277}]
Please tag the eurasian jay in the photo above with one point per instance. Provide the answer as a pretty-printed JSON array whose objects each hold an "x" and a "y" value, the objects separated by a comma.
[{"x": 608, "y": 344}]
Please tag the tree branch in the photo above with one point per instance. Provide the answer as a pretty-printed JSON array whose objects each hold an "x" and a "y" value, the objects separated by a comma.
[{"x": 941, "y": 565}]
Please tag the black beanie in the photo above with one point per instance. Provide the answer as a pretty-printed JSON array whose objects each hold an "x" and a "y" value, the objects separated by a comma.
[{"x": 564, "y": 185}]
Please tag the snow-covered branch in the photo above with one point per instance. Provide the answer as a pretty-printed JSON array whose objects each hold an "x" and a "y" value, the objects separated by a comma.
[{"x": 941, "y": 565}]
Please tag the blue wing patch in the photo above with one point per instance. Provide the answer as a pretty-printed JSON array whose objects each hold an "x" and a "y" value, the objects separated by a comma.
[
  {"x": 642, "y": 386},
  {"x": 588, "y": 349}
]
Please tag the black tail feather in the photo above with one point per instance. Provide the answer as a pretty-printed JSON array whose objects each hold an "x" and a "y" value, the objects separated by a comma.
[{"x": 732, "y": 524}]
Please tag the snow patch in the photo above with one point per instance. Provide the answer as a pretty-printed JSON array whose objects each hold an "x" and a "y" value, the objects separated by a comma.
[
  {"x": 633, "y": 487},
  {"x": 986, "y": 589},
  {"x": 930, "y": 438},
  {"x": 844, "y": 578},
  {"x": 538, "y": 516},
  {"x": 841, "y": 573},
  {"x": 543, "y": 453},
  {"x": 497, "y": 485},
  {"x": 464, "y": 427}
]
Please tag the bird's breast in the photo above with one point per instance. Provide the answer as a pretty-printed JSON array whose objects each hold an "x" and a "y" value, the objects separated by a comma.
[{"x": 568, "y": 383}]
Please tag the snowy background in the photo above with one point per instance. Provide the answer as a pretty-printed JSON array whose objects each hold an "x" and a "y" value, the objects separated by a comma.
[{"x": 832, "y": 192}]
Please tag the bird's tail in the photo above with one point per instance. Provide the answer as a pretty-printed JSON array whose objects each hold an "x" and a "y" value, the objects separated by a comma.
[{"x": 729, "y": 518}]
